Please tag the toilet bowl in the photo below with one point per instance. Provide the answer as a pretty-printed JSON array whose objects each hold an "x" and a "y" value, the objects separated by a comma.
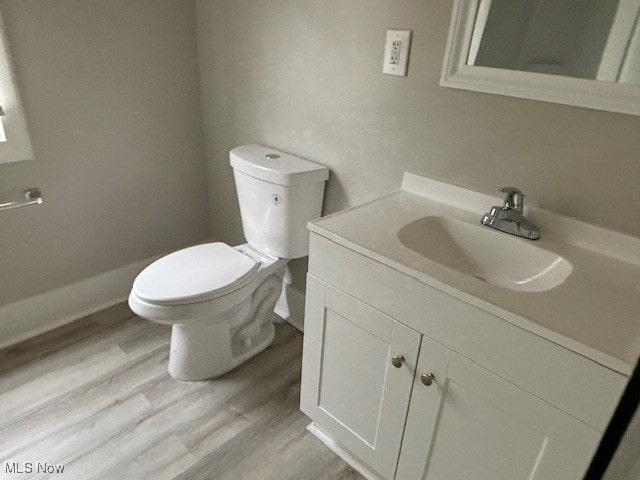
[{"x": 220, "y": 299}]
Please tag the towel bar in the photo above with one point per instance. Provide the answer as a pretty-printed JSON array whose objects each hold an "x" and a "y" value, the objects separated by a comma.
[{"x": 32, "y": 196}]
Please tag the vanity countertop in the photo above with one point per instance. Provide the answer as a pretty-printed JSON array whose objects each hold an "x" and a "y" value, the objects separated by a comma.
[{"x": 594, "y": 312}]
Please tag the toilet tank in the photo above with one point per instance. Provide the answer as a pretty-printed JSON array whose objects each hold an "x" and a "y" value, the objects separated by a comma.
[{"x": 278, "y": 194}]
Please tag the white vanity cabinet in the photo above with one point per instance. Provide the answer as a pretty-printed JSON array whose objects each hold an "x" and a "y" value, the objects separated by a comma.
[
  {"x": 351, "y": 387},
  {"x": 487, "y": 428},
  {"x": 501, "y": 404}
]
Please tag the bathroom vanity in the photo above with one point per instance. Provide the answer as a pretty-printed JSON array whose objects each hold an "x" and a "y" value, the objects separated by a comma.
[{"x": 436, "y": 348}]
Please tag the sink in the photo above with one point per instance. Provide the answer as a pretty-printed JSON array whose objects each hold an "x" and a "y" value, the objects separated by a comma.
[{"x": 491, "y": 256}]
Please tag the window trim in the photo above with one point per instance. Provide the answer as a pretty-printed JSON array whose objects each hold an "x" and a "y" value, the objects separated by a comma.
[{"x": 18, "y": 145}]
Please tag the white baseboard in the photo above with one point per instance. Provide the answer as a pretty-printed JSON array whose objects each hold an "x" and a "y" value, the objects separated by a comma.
[
  {"x": 38, "y": 314},
  {"x": 290, "y": 306},
  {"x": 358, "y": 466}
]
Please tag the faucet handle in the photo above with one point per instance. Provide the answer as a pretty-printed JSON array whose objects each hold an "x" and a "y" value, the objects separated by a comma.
[{"x": 514, "y": 198}]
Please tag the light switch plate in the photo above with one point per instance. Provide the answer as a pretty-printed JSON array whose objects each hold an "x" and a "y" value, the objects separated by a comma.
[{"x": 396, "y": 52}]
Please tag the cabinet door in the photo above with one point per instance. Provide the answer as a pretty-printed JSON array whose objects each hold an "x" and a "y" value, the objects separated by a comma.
[
  {"x": 423, "y": 409},
  {"x": 490, "y": 429},
  {"x": 351, "y": 388}
]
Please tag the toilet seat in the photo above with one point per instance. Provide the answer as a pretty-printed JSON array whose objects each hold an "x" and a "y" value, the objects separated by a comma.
[{"x": 195, "y": 274}]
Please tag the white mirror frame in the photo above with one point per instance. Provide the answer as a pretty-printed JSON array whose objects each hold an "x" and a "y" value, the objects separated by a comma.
[
  {"x": 18, "y": 144},
  {"x": 609, "y": 96}
]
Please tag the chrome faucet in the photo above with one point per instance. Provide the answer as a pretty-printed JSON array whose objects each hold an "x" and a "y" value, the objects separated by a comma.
[{"x": 509, "y": 217}]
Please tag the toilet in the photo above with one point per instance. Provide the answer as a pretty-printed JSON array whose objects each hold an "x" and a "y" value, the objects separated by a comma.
[{"x": 220, "y": 299}]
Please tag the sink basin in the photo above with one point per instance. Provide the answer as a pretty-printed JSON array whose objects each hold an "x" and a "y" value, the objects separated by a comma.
[{"x": 491, "y": 256}]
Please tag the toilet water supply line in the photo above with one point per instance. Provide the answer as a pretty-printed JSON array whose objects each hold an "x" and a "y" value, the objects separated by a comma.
[{"x": 270, "y": 288}]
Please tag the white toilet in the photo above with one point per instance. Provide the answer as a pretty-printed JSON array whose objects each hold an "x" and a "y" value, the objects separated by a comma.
[{"x": 220, "y": 299}]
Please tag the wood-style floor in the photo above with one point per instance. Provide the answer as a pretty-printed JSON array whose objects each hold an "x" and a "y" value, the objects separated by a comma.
[{"x": 95, "y": 397}]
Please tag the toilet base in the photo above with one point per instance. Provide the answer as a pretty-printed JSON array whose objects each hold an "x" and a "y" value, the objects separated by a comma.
[
  {"x": 212, "y": 337},
  {"x": 196, "y": 353}
]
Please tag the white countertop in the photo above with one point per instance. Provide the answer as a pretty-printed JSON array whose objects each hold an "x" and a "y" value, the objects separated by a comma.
[{"x": 595, "y": 312}]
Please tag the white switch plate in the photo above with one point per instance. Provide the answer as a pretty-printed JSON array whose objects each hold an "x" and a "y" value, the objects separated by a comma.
[{"x": 396, "y": 52}]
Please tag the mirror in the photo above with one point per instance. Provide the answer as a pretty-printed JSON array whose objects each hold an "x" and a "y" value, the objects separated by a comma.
[
  {"x": 577, "y": 52},
  {"x": 574, "y": 38}
]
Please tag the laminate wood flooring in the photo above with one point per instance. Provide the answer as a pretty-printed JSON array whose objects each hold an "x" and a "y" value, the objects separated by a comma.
[{"x": 95, "y": 398}]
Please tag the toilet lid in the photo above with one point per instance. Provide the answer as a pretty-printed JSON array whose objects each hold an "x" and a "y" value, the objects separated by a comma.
[{"x": 195, "y": 274}]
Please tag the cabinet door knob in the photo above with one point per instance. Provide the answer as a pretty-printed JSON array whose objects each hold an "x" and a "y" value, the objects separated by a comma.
[
  {"x": 397, "y": 360},
  {"x": 427, "y": 378}
]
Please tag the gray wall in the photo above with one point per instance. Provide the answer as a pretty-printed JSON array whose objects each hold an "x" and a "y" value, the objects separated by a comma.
[
  {"x": 111, "y": 94},
  {"x": 305, "y": 76}
]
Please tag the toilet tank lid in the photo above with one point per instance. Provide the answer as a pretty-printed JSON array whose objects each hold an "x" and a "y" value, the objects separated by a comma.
[{"x": 275, "y": 166}]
